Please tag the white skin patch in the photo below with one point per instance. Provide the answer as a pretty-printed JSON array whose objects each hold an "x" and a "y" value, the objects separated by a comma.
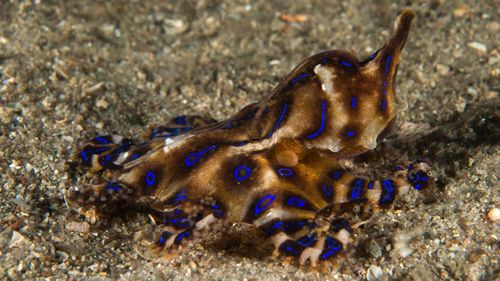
[{"x": 326, "y": 76}]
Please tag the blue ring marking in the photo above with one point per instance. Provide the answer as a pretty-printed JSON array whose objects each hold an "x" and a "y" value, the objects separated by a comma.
[
  {"x": 246, "y": 175},
  {"x": 307, "y": 240},
  {"x": 285, "y": 172},
  {"x": 389, "y": 188},
  {"x": 217, "y": 211},
  {"x": 331, "y": 247},
  {"x": 354, "y": 101},
  {"x": 102, "y": 140},
  {"x": 150, "y": 178},
  {"x": 194, "y": 157},
  {"x": 351, "y": 133},
  {"x": 263, "y": 203},
  {"x": 336, "y": 175},
  {"x": 181, "y": 120},
  {"x": 387, "y": 64},
  {"x": 182, "y": 235},
  {"x": 346, "y": 63},
  {"x": 113, "y": 186},
  {"x": 323, "y": 117},
  {"x": 295, "y": 202},
  {"x": 298, "y": 78},
  {"x": 327, "y": 190},
  {"x": 356, "y": 189},
  {"x": 278, "y": 122}
]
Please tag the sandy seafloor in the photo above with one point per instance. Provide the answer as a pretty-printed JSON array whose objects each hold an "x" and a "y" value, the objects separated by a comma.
[{"x": 72, "y": 69}]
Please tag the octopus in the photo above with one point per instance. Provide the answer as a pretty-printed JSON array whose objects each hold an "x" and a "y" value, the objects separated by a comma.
[{"x": 276, "y": 164}]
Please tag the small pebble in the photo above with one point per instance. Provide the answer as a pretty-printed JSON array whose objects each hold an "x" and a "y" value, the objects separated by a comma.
[
  {"x": 442, "y": 70},
  {"x": 374, "y": 273},
  {"x": 461, "y": 10},
  {"x": 19, "y": 241},
  {"x": 478, "y": 46},
  {"x": 494, "y": 214},
  {"x": 82, "y": 227}
]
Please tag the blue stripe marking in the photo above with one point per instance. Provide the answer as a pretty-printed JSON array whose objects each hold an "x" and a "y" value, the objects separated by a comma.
[
  {"x": 370, "y": 185},
  {"x": 229, "y": 125},
  {"x": 102, "y": 140},
  {"x": 246, "y": 173},
  {"x": 356, "y": 190},
  {"x": 307, "y": 240},
  {"x": 238, "y": 144},
  {"x": 331, "y": 247},
  {"x": 346, "y": 63},
  {"x": 113, "y": 186},
  {"x": 387, "y": 64},
  {"x": 295, "y": 202},
  {"x": 263, "y": 203},
  {"x": 194, "y": 157},
  {"x": 383, "y": 104},
  {"x": 134, "y": 156},
  {"x": 298, "y": 78},
  {"x": 105, "y": 161},
  {"x": 323, "y": 119},
  {"x": 164, "y": 236},
  {"x": 278, "y": 122},
  {"x": 178, "y": 198},
  {"x": 351, "y": 133},
  {"x": 180, "y": 222},
  {"x": 86, "y": 153},
  {"x": 182, "y": 235},
  {"x": 181, "y": 120},
  {"x": 354, "y": 101},
  {"x": 292, "y": 226}
]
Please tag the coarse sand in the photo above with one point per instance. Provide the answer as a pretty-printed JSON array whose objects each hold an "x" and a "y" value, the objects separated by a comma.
[{"x": 70, "y": 70}]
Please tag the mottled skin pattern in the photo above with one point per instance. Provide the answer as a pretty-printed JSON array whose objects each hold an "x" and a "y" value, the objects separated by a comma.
[{"x": 274, "y": 164}]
